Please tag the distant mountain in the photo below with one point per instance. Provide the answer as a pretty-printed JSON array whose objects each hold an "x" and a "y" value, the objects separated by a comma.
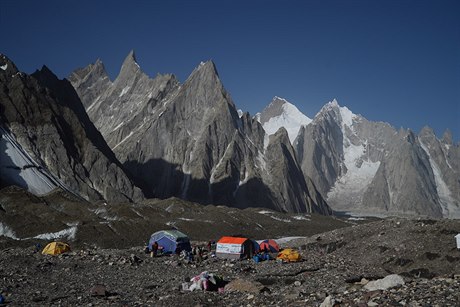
[
  {"x": 49, "y": 142},
  {"x": 188, "y": 140},
  {"x": 370, "y": 168},
  {"x": 102, "y": 139},
  {"x": 280, "y": 113}
]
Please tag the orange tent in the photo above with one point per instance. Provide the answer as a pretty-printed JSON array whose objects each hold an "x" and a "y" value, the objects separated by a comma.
[
  {"x": 270, "y": 246},
  {"x": 234, "y": 248}
]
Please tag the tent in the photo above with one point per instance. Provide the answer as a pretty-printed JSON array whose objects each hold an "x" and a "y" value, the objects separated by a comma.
[
  {"x": 56, "y": 248},
  {"x": 235, "y": 248},
  {"x": 289, "y": 255},
  {"x": 169, "y": 240},
  {"x": 457, "y": 237},
  {"x": 255, "y": 245},
  {"x": 270, "y": 246}
]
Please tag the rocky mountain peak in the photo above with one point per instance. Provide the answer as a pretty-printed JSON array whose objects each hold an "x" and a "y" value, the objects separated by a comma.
[
  {"x": 7, "y": 66},
  {"x": 90, "y": 73},
  {"x": 447, "y": 137},
  {"x": 275, "y": 108},
  {"x": 331, "y": 105},
  {"x": 98, "y": 69},
  {"x": 45, "y": 72},
  {"x": 205, "y": 71},
  {"x": 130, "y": 58},
  {"x": 427, "y": 132},
  {"x": 280, "y": 136},
  {"x": 129, "y": 69}
]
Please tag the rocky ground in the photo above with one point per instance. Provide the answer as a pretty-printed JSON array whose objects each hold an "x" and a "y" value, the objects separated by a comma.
[{"x": 335, "y": 269}]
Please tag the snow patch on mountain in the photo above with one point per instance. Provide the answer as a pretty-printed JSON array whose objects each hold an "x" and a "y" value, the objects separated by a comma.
[
  {"x": 7, "y": 232},
  {"x": 350, "y": 187},
  {"x": 347, "y": 116},
  {"x": 18, "y": 166},
  {"x": 124, "y": 90},
  {"x": 124, "y": 139},
  {"x": 68, "y": 233},
  {"x": 450, "y": 208},
  {"x": 4, "y": 67}
]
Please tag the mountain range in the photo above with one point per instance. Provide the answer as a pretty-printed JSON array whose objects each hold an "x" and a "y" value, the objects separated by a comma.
[{"x": 140, "y": 137}]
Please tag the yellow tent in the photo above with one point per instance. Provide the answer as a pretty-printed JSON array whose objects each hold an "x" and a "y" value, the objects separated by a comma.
[
  {"x": 56, "y": 248},
  {"x": 289, "y": 255}
]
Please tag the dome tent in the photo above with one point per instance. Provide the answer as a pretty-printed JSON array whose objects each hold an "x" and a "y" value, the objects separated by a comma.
[
  {"x": 169, "y": 240},
  {"x": 269, "y": 245},
  {"x": 56, "y": 248}
]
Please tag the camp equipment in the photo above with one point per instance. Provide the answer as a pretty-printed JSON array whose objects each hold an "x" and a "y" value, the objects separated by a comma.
[{"x": 289, "y": 255}]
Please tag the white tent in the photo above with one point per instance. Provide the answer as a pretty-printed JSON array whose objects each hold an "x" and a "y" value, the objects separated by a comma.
[{"x": 458, "y": 240}]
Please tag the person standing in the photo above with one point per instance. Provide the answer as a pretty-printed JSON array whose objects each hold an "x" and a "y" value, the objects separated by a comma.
[{"x": 154, "y": 249}]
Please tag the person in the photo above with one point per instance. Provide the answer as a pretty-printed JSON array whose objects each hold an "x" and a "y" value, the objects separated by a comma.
[
  {"x": 199, "y": 255},
  {"x": 154, "y": 249},
  {"x": 209, "y": 246}
]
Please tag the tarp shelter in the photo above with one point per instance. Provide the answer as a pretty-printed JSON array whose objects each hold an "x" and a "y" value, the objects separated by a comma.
[
  {"x": 235, "y": 248},
  {"x": 169, "y": 240},
  {"x": 458, "y": 240},
  {"x": 56, "y": 248},
  {"x": 289, "y": 255},
  {"x": 270, "y": 246}
]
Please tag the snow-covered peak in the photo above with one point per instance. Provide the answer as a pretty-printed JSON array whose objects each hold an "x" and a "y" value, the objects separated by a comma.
[
  {"x": 346, "y": 115},
  {"x": 281, "y": 113},
  {"x": 331, "y": 105},
  {"x": 279, "y": 99}
]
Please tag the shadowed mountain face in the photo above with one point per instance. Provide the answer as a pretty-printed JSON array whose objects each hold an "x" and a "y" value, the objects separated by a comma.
[
  {"x": 43, "y": 120},
  {"x": 187, "y": 140}
]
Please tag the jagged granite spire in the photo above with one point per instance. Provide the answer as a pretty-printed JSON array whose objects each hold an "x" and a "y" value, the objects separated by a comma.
[{"x": 188, "y": 141}]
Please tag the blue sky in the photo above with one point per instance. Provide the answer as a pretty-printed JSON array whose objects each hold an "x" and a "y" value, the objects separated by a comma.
[{"x": 396, "y": 61}]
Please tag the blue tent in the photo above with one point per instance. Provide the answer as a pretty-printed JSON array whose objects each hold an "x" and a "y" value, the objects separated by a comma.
[{"x": 169, "y": 240}]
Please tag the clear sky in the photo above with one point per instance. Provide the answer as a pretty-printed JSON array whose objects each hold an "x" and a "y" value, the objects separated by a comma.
[{"x": 396, "y": 61}]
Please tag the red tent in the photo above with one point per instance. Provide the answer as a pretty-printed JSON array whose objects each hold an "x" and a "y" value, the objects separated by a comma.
[{"x": 270, "y": 246}]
